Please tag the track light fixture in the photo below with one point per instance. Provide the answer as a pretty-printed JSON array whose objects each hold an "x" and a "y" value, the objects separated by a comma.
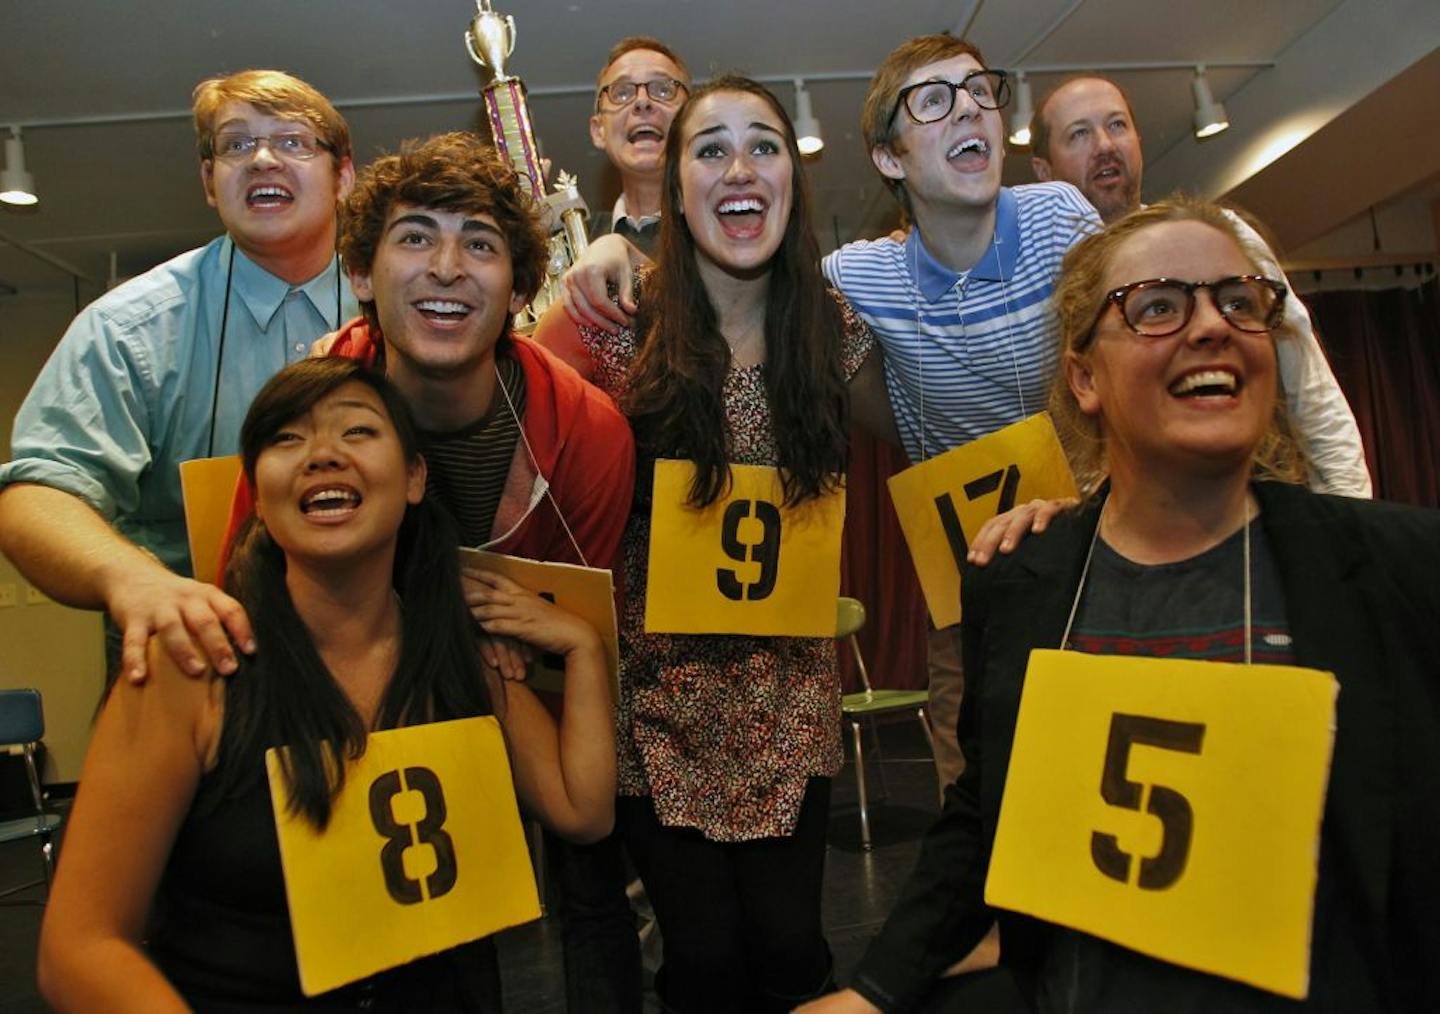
[
  {"x": 16, "y": 185},
  {"x": 1210, "y": 116},
  {"x": 1024, "y": 112},
  {"x": 807, "y": 127}
]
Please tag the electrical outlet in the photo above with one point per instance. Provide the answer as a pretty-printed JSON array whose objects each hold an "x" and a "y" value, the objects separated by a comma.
[
  {"x": 34, "y": 596},
  {"x": 7, "y": 594}
]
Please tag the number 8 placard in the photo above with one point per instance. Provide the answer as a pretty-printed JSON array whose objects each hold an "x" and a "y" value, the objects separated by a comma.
[
  {"x": 423, "y": 852},
  {"x": 745, "y": 564},
  {"x": 1172, "y": 807}
]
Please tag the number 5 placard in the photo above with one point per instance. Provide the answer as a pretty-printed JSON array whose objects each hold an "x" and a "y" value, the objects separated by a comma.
[
  {"x": 423, "y": 852},
  {"x": 1170, "y": 806},
  {"x": 941, "y": 503},
  {"x": 746, "y": 564}
]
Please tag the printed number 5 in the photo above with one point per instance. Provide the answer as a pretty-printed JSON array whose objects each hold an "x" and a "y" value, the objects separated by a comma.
[{"x": 1176, "y": 818}]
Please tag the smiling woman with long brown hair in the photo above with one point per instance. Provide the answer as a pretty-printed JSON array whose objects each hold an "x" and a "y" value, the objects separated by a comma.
[{"x": 740, "y": 354}]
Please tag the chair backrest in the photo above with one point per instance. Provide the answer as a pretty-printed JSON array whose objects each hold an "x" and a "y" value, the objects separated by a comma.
[
  {"x": 22, "y": 719},
  {"x": 849, "y": 618}
]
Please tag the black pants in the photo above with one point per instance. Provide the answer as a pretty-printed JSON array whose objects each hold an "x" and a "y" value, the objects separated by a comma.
[
  {"x": 740, "y": 920},
  {"x": 601, "y": 946}
]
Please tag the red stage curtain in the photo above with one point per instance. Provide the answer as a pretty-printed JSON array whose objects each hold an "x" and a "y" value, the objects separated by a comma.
[
  {"x": 876, "y": 569},
  {"x": 1385, "y": 349}
]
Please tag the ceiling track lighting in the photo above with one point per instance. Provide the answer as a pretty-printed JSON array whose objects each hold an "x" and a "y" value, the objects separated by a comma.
[
  {"x": 807, "y": 128},
  {"x": 16, "y": 185},
  {"x": 1024, "y": 112},
  {"x": 1210, "y": 116}
]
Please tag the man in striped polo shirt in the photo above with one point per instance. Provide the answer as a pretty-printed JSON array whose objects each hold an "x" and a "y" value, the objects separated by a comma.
[{"x": 962, "y": 306}]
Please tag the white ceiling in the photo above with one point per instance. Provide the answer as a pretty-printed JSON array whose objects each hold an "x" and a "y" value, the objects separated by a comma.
[{"x": 399, "y": 69}]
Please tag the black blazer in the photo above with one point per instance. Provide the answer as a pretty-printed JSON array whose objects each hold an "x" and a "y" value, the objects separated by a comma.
[{"x": 1362, "y": 596}]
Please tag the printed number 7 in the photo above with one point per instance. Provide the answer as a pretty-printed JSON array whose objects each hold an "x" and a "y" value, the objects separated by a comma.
[
  {"x": 1007, "y": 480},
  {"x": 1176, "y": 818}
]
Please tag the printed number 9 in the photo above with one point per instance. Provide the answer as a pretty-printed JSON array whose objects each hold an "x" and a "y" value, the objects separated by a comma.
[{"x": 766, "y": 552}]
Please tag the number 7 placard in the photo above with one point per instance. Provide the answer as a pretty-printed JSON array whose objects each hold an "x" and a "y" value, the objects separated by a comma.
[{"x": 941, "y": 503}]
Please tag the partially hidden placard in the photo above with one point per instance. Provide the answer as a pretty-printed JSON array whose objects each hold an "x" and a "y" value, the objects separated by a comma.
[
  {"x": 423, "y": 852},
  {"x": 941, "y": 503},
  {"x": 207, "y": 486},
  {"x": 588, "y": 592},
  {"x": 746, "y": 564},
  {"x": 1172, "y": 807}
]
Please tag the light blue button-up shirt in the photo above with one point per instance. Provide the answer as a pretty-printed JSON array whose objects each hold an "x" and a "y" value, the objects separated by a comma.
[{"x": 129, "y": 392}]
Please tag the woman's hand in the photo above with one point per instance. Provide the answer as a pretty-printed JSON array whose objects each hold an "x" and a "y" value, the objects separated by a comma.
[
  {"x": 504, "y": 609},
  {"x": 1006, "y": 531},
  {"x": 609, "y": 262}
]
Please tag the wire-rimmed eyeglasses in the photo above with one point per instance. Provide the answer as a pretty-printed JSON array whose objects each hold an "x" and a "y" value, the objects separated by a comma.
[
  {"x": 233, "y": 146},
  {"x": 665, "y": 90}
]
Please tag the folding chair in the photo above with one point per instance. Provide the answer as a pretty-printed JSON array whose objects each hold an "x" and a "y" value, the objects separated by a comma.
[
  {"x": 22, "y": 724},
  {"x": 868, "y": 703}
]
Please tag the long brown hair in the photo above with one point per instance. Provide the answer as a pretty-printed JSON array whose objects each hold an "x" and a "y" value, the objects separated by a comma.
[{"x": 674, "y": 395}]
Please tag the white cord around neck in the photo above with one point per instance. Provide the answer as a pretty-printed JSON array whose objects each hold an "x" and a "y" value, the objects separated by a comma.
[{"x": 1090, "y": 553}]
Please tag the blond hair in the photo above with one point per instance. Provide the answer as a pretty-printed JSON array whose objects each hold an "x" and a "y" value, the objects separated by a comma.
[
  {"x": 274, "y": 93},
  {"x": 1079, "y": 301}
]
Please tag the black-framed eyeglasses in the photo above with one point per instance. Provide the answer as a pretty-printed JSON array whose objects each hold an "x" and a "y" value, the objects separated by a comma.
[
  {"x": 665, "y": 90},
  {"x": 298, "y": 145},
  {"x": 929, "y": 101},
  {"x": 1157, "y": 307}
]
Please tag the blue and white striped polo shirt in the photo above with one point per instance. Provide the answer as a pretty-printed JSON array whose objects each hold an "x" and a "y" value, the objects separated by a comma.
[{"x": 968, "y": 353}]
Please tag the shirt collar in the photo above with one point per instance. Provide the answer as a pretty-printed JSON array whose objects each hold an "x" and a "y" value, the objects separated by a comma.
[
  {"x": 997, "y": 264},
  {"x": 619, "y": 213},
  {"x": 262, "y": 292}
]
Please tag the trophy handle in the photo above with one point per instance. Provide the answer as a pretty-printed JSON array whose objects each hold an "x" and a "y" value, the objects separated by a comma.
[
  {"x": 470, "y": 48},
  {"x": 509, "y": 34}
]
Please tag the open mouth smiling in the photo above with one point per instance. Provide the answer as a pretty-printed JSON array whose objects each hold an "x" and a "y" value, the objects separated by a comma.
[
  {"x": 268, "y": 195},
  {"x": 971, "y": 152},
  {"x": 330, "y": 501},
  {"x": 1211, "y": 383},
  {"x": 442, "y": 311}
]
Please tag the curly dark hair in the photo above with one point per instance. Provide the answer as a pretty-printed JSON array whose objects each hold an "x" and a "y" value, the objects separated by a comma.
[
  {"x": 450, "y": 172},
  {"x": 675, "y": 389}
]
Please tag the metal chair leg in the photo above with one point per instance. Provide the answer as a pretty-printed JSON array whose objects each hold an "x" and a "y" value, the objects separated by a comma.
[
  {"x": 860, "y": 785},
  {"x": 925, "y": 726}
]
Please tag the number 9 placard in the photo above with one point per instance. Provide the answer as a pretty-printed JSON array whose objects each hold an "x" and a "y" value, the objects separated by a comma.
[
  {"x": 746, "y": 564},
  {"x": 1172, "y": 807},
  {"x": 423, "y": 851}
]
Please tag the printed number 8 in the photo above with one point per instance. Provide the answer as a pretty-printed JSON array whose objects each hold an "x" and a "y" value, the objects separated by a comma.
[{"x": 428, "y": 831}]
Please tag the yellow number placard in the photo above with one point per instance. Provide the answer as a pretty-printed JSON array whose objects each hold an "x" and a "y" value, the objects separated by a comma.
[
  {"x": 941, "y": 503},
  {"x": 207, "y": 486},
  {"x": 746, "y": 564},
  {"x": 588, "y": 592},
  {"x": 1162, "y": 804},
  {"x": 424, "y": 851}
]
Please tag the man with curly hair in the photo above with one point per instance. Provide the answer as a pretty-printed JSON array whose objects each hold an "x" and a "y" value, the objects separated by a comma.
[{"x": 443, "y": 247}]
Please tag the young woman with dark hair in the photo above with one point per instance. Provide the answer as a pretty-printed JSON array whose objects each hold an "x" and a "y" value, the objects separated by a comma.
[
  {"x": 740, "y": 354},
  {"x": 351, "y": 579}
]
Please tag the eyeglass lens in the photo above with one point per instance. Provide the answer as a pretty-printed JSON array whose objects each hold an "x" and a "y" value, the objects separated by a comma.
[
  {"x": 933, "y": 100},
  {"x": 1159, "y": 309},
  {"x": 660, "y": 89},
  {"x": 292, "y": 144}
]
